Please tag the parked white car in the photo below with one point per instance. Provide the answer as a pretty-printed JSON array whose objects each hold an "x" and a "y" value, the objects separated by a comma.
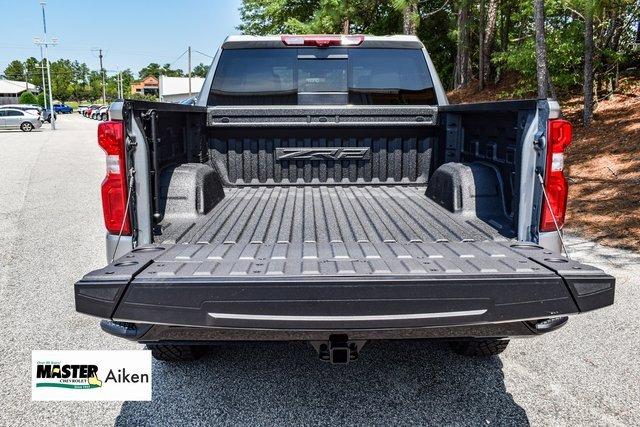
[
  {"x": 13, "y": 118},
  {"x": 103, "y": 113}
]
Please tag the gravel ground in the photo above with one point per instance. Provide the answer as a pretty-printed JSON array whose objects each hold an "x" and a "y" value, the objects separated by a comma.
[{"x": 51, "y": 234}]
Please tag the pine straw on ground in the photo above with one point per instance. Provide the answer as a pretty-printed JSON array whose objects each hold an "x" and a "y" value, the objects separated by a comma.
[{"x": 602, "y": 164}]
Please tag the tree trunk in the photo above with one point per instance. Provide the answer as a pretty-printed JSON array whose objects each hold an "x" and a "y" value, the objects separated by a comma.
[
  {"x": 489, "y": 36},
  {"x": 588, "y": 66},
  {"x": 462, "y": 73},
  {"x": 504, "y": 33},
  {"x": 345, "y": 21},
  {"x": 409, "y": 18},
  {"x": 505, "y": 29},
  {"x": 345, "y": 26},
  {"x": 541, "y": 50},
  {"x": 481, "y": 32}
]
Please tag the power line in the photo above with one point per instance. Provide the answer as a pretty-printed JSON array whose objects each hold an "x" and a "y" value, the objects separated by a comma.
[
  {"x": 84, "y": 49},
  {"x": 201, "y": 53},
  {"x": 178, "y": 58}
]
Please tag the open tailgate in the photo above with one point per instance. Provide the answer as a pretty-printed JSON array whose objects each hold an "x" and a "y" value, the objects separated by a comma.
[{"x": 341, "y": 285}]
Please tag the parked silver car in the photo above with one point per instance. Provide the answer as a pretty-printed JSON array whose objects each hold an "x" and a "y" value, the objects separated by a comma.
[
  {"x": 30, "y": 108},
  {"x": 12, "y": 118}
]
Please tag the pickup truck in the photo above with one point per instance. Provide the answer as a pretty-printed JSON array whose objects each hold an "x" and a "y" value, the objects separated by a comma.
[
  {"x": 62, "y": 109},
  {"x": 322, "y": 189}
]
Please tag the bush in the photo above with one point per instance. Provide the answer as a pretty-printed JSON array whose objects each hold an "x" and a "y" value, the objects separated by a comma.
[
  {"x": 141, "y": 97},
  {"x": 41, "y": 99},
  {"x": 28, "y": 98}
]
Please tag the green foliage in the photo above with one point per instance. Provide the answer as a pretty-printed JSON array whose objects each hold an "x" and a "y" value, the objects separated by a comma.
[
  {"x": 62, "y": 78},
  {"x": 436, "y": 33},
  {"x": 78, "y": 82},
  {"x": 565, "y": 42},
  {"x": 364, "y": 16},
  {"x": 94, "y": 85},
  {"x": 14, "y": 71},
  {"x": 154, "y": 69},
  {"x": 261, "y": 17},
  {"x": 140, "y": 97},
  {"x": 327, "y": 18},
  {"x": 28, "y": 98},
  {"x": 513, "y": 48},
  {"x": 272, "y": 16},
  {"x": 565, "y": 49},
  {"x": 40, "y": 97},
  {"x": 200, "y": 70},
  {"x": 33, "y": 70},
  {"x": 112, "y": 84},
  {"x": 73, "y": 80}
]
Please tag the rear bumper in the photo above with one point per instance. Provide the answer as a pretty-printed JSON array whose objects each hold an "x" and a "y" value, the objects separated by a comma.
[{"x": 148, "y": 333}]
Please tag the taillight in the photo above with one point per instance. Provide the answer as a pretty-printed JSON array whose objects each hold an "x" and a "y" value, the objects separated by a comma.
[
  {"x": 114, "y": 185},
  {"x": 322, "y": 41},
  {"x": 558, "y": 139}
]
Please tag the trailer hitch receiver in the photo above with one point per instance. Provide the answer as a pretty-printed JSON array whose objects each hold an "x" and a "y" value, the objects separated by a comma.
[{"x": 338, "y": 349}]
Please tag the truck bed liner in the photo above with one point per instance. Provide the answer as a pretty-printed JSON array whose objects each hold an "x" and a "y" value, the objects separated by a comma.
[{"x": 321, "y": 215}]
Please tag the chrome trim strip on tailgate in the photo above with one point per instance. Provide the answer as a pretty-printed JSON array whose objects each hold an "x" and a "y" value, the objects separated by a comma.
[{"x": 268, "y": 317}]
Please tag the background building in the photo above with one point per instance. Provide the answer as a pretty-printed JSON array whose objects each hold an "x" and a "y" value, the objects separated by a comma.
[
  {"x": 10, "y": 90},
  {"x": 146, "y": 86},
  {"x": 176, "y": 89}
]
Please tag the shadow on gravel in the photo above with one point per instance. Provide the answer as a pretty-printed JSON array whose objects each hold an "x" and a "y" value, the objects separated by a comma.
[{"x": 284, "y": 384}]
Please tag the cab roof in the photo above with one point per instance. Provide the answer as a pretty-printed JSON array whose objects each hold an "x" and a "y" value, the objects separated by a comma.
[{"x": 275, "y": 41}]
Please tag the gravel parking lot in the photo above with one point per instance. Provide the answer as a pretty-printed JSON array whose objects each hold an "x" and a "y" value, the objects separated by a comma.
[{"x": 51, "y": 233}]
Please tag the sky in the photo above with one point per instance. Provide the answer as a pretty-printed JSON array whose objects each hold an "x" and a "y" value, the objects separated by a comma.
[{"x": 132, "y": 33}]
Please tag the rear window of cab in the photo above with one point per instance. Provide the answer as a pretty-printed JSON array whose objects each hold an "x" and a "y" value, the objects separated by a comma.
[{"x": 291, "y": 76}]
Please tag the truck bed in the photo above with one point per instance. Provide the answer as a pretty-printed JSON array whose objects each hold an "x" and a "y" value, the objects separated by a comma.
[{"x": 244, "y": 237}]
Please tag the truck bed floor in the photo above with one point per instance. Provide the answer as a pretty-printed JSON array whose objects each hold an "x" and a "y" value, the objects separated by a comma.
[
  {"x": 328, "y": 230},
  {"x": 270, "y": 215}
]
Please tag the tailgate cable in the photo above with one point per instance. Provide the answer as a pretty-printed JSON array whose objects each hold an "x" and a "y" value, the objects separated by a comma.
[
  {"x": 555, "y": 222},
  {"x": 132, "y": 172}
]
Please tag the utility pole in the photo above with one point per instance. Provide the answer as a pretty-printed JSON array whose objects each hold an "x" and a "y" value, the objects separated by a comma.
[
  {"x": 44, "y": 88},
  {"x": 104, "y": 94},
  {"x": 120, "y": 87},
  {"x": 189, "y": 71},
  {"x": 45, "y": 43}
]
